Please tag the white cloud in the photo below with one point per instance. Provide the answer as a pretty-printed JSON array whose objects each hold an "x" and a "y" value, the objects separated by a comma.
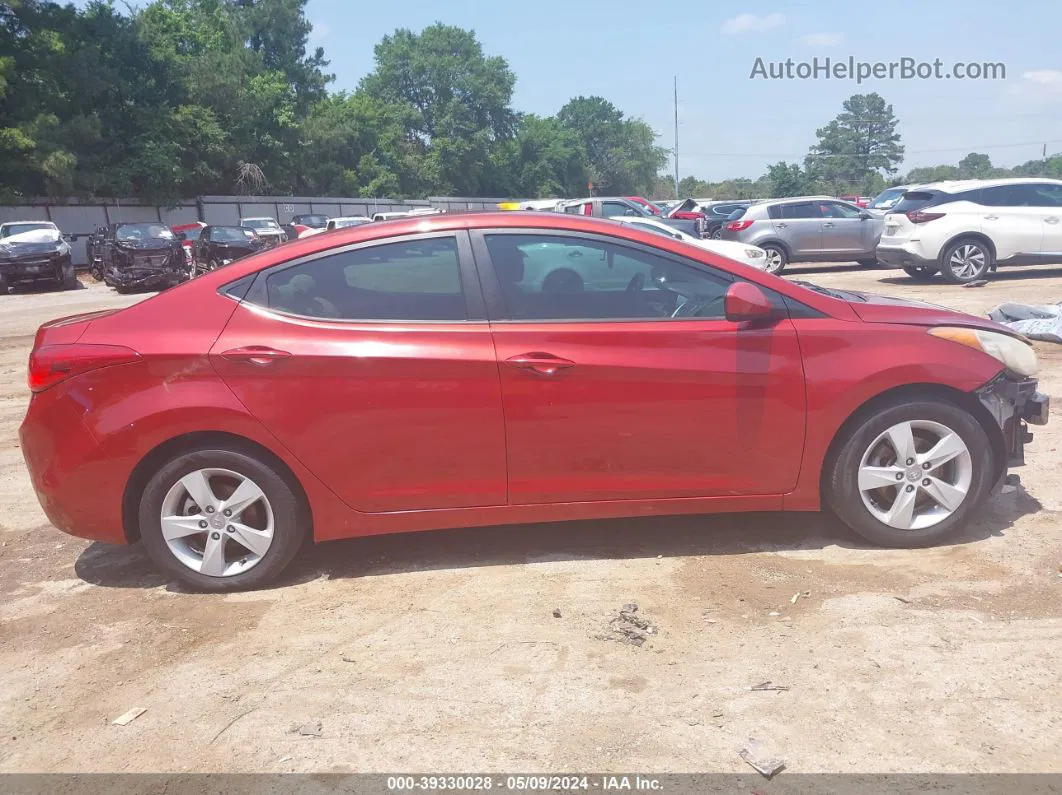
[
  {"x": 1044, "y": 77},
  {"x": 745, "y": 23},
  {"x": 822, "y": 39}
]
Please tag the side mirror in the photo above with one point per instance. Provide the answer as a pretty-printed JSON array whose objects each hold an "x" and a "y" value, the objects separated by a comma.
[
  {"x": 865, "y": 216},
  {"x": 747, "y": 303},
  {"x": 69, "y": 238}
]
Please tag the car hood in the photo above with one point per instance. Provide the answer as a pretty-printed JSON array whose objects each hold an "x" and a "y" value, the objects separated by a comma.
[{"x": 874, "y": 308}]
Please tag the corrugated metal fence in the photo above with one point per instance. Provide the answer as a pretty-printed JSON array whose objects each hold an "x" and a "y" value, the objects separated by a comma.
[{"x": 80, "y": 219}]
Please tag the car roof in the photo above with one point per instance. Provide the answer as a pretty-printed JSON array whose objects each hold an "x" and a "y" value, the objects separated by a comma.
[
  {"x": 957, "y": 185},
  {"x": 258, "y": 218},
  {"x": 8, "y": 223}
]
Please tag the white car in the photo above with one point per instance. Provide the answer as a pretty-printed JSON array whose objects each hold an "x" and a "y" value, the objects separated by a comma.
[
  {"x": 752, "y": 256},
  {"x": 406, "y": 214},
  {"x": 965, "y": 229},
  {"x": 346, "y": 221},
  {"x": 267, "y": 229},
  {"x": 887, "y": 199}
]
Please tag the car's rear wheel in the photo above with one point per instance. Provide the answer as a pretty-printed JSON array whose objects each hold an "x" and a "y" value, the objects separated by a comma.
[
  {"x": 922, "y": 273},
  {"x": 776, "y": 260},
  {"x": 867, "y": 263},
  {"x": 717, "y": 233},
  {"x": 3, "y": 284},
  {"x": 221, "y": 520},
  {"x": 214, "y": 265},
  {"x": 909, "y": 473},
  {"x": 966, "y": 261}
]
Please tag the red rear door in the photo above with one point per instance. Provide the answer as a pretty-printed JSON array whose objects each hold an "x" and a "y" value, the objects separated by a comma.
[
  {"x": 621, "y": 380},
  {"x": 377, "y": 371}
]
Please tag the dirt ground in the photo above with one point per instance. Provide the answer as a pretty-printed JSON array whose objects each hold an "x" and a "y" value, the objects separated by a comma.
[{"x": 442, "y": 652}]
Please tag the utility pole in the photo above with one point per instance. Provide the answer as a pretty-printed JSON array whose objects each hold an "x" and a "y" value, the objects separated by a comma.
[
  {"x": 676, "y": 141},
  {"x": 1043, "y": 162}
]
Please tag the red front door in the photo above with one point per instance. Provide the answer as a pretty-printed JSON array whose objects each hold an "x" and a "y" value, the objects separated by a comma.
[
  {"x": 651, "y": 410},
  {"x": 621, "y": 379}
]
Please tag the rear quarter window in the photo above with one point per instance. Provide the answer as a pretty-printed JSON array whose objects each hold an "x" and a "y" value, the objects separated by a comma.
[{"x": 918, "y": 199}]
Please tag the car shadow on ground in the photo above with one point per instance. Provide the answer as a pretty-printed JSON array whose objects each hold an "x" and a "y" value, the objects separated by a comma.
[
  {"x": 1009, "y": 275},
  {"x": 36, "y": 288},
  {"x": 616, "y": 539}
]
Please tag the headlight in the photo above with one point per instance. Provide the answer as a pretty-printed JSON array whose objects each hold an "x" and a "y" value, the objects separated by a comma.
[
  {"x": 754, "y": 253},
  {"x": 64, "y": 249},
  {"x": 1016, "y": 354}
]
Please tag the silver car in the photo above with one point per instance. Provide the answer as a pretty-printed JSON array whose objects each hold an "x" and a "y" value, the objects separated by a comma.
[{"x": 807, "y": 229}]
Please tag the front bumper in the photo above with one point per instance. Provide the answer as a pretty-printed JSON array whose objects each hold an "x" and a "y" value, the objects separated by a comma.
[
  {"x": 897, "y": 257},
  {"x": 1014, "y": 405},
  {"x": 32, "y": 269}
]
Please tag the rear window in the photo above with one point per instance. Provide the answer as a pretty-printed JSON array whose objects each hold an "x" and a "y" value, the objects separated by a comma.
[{"x": 740, "y": 211}]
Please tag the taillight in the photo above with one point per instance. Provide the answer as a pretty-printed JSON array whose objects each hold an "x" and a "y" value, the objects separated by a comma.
[
  {"x": 50, "y": 364},
  {"x": 738, "y": 226},
  {"x": 920, "y": 217}
]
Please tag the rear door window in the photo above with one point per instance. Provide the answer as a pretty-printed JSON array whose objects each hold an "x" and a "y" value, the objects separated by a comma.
[{"x": 795, "y": 211}]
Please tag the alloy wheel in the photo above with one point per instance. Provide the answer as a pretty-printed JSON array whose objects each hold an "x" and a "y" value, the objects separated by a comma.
[
  {"x": 915, "y": 475},
  {"x": 775, "y": 261},
  {"x": 217, "y": 522},
  {"x": 967, "y": 261}
]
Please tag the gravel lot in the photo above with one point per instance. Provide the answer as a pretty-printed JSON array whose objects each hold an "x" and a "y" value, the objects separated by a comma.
[{"x": 441, "y": 652}]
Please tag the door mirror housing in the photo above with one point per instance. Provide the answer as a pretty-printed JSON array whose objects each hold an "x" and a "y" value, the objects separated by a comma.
[
  {"x": 747, "y": 303},
  {"x": 865, "y": 216}
]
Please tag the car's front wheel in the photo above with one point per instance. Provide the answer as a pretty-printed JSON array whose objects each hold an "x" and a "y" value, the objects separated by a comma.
[
  {"x": 221, "y": 520},
  {"x": 776, "y": 260},
  {"x": 966, "y": 261},
  {"x": 68, "y": 277},
  {"x": 910, "y": 473}
]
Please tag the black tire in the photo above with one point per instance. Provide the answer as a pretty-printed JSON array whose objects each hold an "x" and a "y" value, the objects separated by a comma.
[
  {"x": 717, "y": 233},
  {"x": 4, "y": 286},
  {"x": 867, "y": 263},
  {"x": 779, "y": 255},
  {"x": 213, "y": 265},
  {"x": 840, "y": 476},
  {"x": 96, "y": 270},
  {"x": 921, "y": 273},
  {"x": 972, "y": 250},
  {"x": 68, "y": 280},
  {"x": 291, "y": 523}
]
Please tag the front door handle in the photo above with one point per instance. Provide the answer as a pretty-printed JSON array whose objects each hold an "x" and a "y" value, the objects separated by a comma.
[
  {"x": 829, "y": 224},
  {"x": 539, "y": 362},
  {"x": 781, "y": 225},
  {"x": 259, "y": 355},
  {"x": 991, "y": 217},
  {"x": 1051, "y": 219}
]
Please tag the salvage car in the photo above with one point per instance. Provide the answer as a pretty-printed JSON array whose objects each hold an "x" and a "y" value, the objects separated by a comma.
[
  {"x": 141, "y": 256},
  {"x": 454, "y": 387},
  {"x": 268, "y": 230},
  {"x": 346, "y": 222},
  {"x": 620, "y": 207},
  {"x": 188, "y": 234},
  {"x": 33, "y": 252},
  {"x": 219, "y": 246}
]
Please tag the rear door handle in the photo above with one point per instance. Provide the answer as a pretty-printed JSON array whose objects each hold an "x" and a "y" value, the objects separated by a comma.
[
  {"x": 828, "y": 224},
  {"x": 1051, "y": 219},
  {"x": 781, "y": 225},
  {"x": 539, "y": 362},
  {"x": 259, "y": 355},
  {"x": 991, "y": 217}
]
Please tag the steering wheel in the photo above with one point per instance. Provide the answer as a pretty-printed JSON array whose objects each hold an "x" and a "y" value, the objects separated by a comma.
[
  {"x": 637, "y": 283},
  {"x": 688, "y": 307}
]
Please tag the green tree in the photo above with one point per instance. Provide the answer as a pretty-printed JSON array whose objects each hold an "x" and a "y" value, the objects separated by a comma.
[
  {"x": 543, "y": 160},
  {"x": 860, "y": 142},
  {"x": 976, "y": 166},
  {"x": 621, "y": 153},
  {"x": 789, "y": 179},
  {"x": 456, "y": 98}
]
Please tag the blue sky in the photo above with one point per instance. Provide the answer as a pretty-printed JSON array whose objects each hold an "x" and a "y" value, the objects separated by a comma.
[{"x": 729, "y": 125}]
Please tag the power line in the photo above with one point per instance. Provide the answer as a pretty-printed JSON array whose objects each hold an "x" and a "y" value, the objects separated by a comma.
[{"x": 971, "y": 148}]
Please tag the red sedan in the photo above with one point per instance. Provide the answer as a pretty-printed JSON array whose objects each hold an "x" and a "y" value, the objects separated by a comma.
[{"x": 506, "y": 368}]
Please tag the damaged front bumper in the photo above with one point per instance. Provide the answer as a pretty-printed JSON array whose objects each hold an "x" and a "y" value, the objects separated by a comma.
[
  {"x": 147, "y": 271},
  {"x": 34, "y": 268},
  {"x": 1015, "y": 404}
]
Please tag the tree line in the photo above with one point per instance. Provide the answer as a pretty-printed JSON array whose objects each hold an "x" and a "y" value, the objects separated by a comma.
[
  {"x": 180, "y": 98},
  {"x": 857, "y": 153}
]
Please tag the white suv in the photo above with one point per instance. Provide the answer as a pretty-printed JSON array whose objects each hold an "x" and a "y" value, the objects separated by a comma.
[{"x": 964, "y": 229}]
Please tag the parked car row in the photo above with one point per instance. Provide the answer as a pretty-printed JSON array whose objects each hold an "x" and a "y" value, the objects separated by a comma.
[{"x": 34, "y": 251}]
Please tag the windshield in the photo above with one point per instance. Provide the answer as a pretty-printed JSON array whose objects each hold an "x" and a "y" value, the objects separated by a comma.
[
  {"x": 673, "y": 234},
  {"x": 315, "y": 221},
  {"x": 10, "y": 230},
  {"x": 260, "y": 223},
  {"x": 231, "y": 234},
  {"x": 886, "y": 199},
  {"x": 143, "y": 232},
  {"x": 192, "y": 233}
]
